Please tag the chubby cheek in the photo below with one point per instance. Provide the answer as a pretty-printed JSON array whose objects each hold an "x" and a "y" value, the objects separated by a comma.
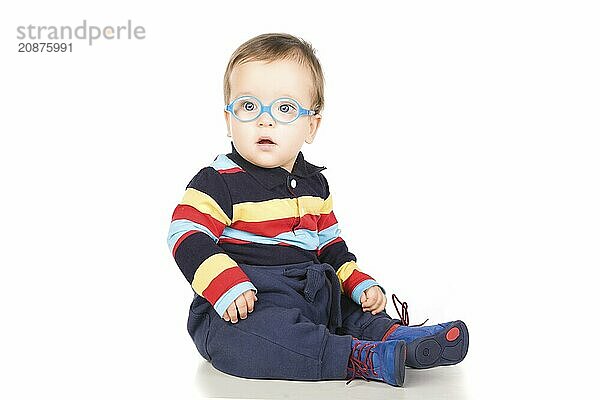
[
  {"x": 292, "y": 145},
  {"x": 297, "y": 134},
  {"x": 240, "y": 128},
  {"x": 242, "y": 135}
]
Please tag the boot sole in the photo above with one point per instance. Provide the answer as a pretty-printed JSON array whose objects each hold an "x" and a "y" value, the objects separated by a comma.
[
  {"x": 447, "y": 347},
  {"x": 400, "y": 353}
]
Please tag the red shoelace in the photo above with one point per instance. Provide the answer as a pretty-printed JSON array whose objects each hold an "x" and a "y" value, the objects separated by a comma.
[
  {"x": 359, "y": 368},
  {"x": 404, "y": 314}
]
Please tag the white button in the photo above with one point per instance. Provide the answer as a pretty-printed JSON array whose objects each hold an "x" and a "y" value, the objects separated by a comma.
[{"x": 293, "y": 183}]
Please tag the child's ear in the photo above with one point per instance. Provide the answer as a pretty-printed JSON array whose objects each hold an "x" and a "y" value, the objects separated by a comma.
[
  {"x": 312, "y": 128},
  {"x": 228, "y": 122}
]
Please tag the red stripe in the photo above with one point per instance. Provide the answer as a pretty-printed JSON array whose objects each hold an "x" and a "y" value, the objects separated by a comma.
[
  {"x": 326, "y": 220},
  {"x": 237, "y": 241},
  {"x": 233, "y": 241},
  {"x": 275, "y": 227},
  {"x": 181, "y": 240},
  {"x": 223, "y": 282},
  {"x": 230, "y": 170},
  {"x": 354, "y": 280},
  {"x": 337, "y": 239},
  {"x": 184, "y": 211},
  {"x": 389, "y": 332},
  {"x": 308, "y": 221}
]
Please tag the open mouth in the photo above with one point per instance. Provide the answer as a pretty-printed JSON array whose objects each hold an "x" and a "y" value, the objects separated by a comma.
[{"x": 265, "y": 141}]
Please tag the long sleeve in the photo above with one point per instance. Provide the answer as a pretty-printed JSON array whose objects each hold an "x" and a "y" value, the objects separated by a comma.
[
  {"x": 196, "y": 225},
  {"x": 334, "y": 251}
]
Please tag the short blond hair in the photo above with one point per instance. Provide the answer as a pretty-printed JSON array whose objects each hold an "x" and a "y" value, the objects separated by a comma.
[{"x": 279, "y": 46}]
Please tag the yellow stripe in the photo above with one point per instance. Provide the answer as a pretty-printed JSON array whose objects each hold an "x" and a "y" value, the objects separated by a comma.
[
  {"x": 327, "y": 205},
  {"x": 210, "y": 269},
  {"x": 277, "y": 208},
  {"x": 345, "y": 271},
  {"x": 204, "y": 203}
]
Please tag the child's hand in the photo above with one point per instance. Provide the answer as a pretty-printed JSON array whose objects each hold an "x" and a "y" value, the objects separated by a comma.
[
  {"x": 244, "y": 304},
  {"x": 373, "y": 300}
]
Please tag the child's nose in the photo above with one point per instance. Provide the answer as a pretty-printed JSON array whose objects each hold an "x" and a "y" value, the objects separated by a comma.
[{"x": 265, "y": 119}]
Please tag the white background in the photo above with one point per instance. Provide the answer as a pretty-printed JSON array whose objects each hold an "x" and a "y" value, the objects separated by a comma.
[{"x": 461, "y": 146}]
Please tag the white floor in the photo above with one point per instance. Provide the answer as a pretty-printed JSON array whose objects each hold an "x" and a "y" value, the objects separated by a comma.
[{"x": 435, "y": 383}]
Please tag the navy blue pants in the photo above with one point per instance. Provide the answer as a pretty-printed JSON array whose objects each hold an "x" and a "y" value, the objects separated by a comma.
[{"x": 301, "y": 327}]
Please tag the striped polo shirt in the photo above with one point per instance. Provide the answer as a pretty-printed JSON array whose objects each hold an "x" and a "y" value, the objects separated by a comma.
[{"x": 233, "y": 211}]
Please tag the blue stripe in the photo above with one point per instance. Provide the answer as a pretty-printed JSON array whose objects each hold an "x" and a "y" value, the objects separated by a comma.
[
  {"x": 180, "y": 227},
  {"x": 223, "y": 162},
  {"x": 303, "y": 238},
  {"x": 229, "y": 296},
  {"x": 361, "y": 287},
  {"x": 327, "y": 235}
]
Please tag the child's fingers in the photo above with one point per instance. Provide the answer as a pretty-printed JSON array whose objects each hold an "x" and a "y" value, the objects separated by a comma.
[
  {"x": 242, "y": 306},
  {"x": 250, "y": 298},
  {"x": 372, "y": 301},
  {"x": 378, "y": 309},
  {"x": 368, "y": 302},
  {"x": 383, "y": 303},
  {"x": 377, "y": 304},
  {"x": 232, "y": 312}
]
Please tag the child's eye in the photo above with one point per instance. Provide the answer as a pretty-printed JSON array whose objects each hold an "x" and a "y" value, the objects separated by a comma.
[
  {"x": 287, "y": 107},
  {"x": 248, "y": 106}
]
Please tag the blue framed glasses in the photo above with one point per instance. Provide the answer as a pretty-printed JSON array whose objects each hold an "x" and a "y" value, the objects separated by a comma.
[{"x": 284, "y": 110}]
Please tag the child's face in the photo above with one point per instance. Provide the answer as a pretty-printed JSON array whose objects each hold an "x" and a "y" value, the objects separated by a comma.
[{"x": 267, "y": 82}]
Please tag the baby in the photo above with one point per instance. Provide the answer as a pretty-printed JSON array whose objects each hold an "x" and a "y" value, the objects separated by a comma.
[{"x": 259, "y": 222}]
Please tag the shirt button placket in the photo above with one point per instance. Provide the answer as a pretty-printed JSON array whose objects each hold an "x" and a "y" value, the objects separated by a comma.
[{"x": 291, "y": 185}]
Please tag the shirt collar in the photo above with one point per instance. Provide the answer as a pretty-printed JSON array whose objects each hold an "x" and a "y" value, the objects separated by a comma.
[{"x": 271, "y": 177}]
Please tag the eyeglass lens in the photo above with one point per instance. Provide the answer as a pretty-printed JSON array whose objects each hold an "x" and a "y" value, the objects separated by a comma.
[{"x": 282, "y": 110}]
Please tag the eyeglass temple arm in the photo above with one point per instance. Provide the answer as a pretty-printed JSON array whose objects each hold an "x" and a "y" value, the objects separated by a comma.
[{"x": 304, "y": 111}]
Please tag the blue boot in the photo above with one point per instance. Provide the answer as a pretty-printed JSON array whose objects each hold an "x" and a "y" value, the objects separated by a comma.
[
  {"x": 430, "y": 346},
  {"x": 381, "y": 361}
]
